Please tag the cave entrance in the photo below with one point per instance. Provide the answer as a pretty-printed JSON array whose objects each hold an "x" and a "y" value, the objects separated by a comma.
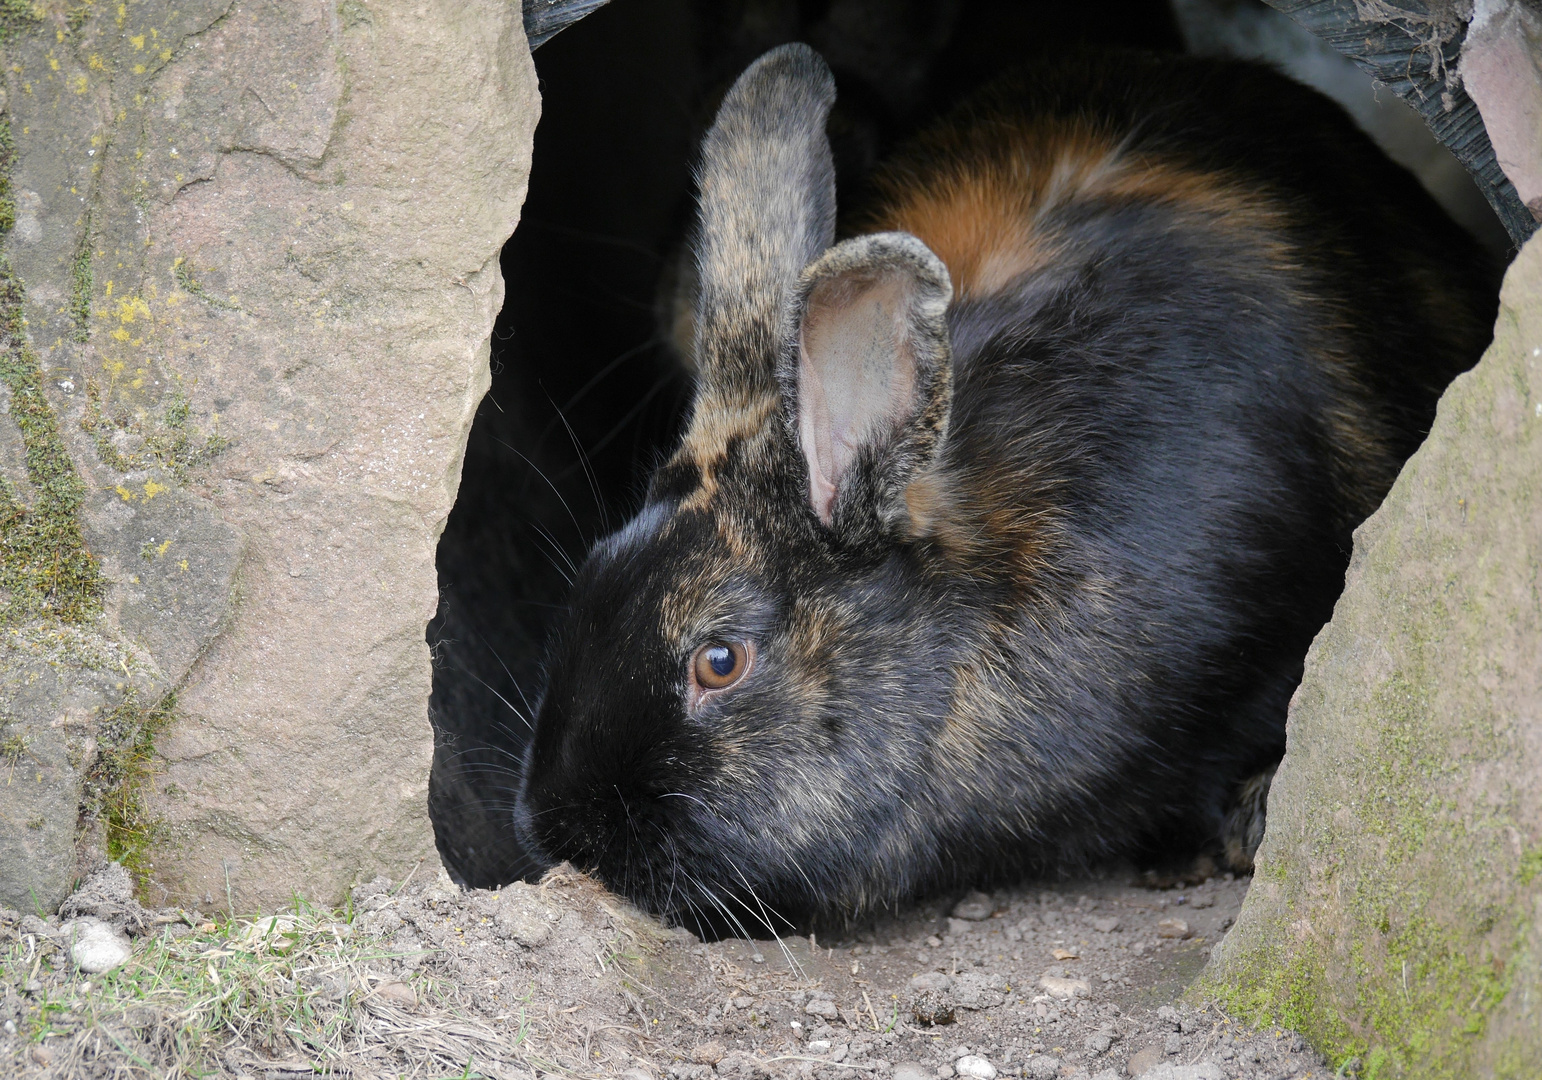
[{"x": 587, "y": 390}]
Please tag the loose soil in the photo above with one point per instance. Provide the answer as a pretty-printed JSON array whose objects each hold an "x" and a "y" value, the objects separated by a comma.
[{"x": 422, "y": 979}]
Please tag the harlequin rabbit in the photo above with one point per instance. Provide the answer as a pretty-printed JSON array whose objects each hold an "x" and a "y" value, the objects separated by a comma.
[{"x": 999, "y": 529}]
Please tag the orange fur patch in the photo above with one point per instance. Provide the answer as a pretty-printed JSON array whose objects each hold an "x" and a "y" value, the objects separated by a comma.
[{"x": 983, "y": 202}]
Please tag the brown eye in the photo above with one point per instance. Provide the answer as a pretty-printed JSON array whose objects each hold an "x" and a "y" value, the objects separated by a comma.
[{"x": 720, "y": 664}]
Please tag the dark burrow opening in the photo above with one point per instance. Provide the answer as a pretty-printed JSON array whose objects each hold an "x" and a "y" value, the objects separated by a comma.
[{"x": 588, "y": 391}]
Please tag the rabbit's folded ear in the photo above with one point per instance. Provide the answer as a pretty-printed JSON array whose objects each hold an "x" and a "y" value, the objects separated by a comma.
[
  {"x": 767, "y": 209},
  {"x": 868, "y": 375}
]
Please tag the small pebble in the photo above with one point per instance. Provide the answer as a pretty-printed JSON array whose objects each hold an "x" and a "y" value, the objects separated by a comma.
[
  {"x": 397, "y": 993},
  {"x": 94, "y": 946},
  {"x": 1065, "y": 989},
  {"x": 1106, "y": 925},
  {"x": 975, "y": 1066},
  {"x": 1173, "y": 928},
  {"x": 913, "y": 1070},
  {"x": 708, "y": 1053},
  {"x": 974, "y": 907},
  {"x": 1204, "y": 1070},
  {"x": 1173, "y": 1044}
]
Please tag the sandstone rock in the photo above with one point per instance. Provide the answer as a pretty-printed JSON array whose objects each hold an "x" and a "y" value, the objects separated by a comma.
[
  {"x": 1396, "y": 911},
  {"x": 256, "y": 247},
  {"x": 57, "y": 686}
]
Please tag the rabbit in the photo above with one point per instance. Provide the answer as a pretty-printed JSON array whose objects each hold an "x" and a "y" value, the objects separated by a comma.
[{"x": 998, "y": 530}]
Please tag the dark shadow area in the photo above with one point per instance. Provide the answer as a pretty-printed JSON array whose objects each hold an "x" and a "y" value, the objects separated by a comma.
[{"x": 587, "y": 391}]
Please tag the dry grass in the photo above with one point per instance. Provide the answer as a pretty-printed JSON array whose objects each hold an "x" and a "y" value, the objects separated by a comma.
[{"x": 300, "y": 993}]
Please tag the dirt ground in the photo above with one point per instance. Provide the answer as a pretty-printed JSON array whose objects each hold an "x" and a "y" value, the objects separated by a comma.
[{"x": 421, "y": 979}]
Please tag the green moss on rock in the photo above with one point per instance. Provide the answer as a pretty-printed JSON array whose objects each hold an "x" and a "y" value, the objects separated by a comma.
[
  {"x": 114, "y": 790},
  {"x": 45, "y": 569},
  {"x": 17, "y": 16},
  {"x": 81, "y": 283},
  {"x": 169, "y": 441}
]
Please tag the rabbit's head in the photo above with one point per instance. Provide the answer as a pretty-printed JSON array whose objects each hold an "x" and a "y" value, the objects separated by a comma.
[{"x": 741, "y": 698}]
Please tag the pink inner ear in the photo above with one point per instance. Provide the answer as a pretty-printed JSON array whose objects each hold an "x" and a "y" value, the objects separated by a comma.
[
  {"x": 856, "y": 374},
  {"x": 814, "y": 434}
]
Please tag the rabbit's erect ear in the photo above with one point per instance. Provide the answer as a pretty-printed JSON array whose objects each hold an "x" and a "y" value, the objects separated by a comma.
[
  {"x": 868, "y": 374},
  {"x": 767, "y": 209}
]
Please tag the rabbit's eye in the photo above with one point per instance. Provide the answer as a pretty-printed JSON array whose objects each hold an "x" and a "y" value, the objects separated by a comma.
[{"x": 719, "y": 664}]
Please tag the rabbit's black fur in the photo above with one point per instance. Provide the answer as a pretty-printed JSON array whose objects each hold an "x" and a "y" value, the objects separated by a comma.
[{"x": 1025, "y": 544}]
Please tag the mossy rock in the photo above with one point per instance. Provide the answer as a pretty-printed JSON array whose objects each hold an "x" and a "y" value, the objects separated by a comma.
[{"x": 1396, "y": 915}]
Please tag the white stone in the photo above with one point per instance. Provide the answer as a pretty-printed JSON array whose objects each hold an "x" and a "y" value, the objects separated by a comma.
[
  {"x": 976, "y": 1066},
  {"x": 94, "y": 946},
  {"x": 1065, "y": 989},
  {"x": 1204, "y": 1070}
]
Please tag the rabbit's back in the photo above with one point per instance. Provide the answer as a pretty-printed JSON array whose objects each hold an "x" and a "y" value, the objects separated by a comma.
[{"x": 1199, "y": 323}]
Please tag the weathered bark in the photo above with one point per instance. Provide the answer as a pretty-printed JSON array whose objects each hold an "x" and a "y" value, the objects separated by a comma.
[{"x": 1412, "y": 47}]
